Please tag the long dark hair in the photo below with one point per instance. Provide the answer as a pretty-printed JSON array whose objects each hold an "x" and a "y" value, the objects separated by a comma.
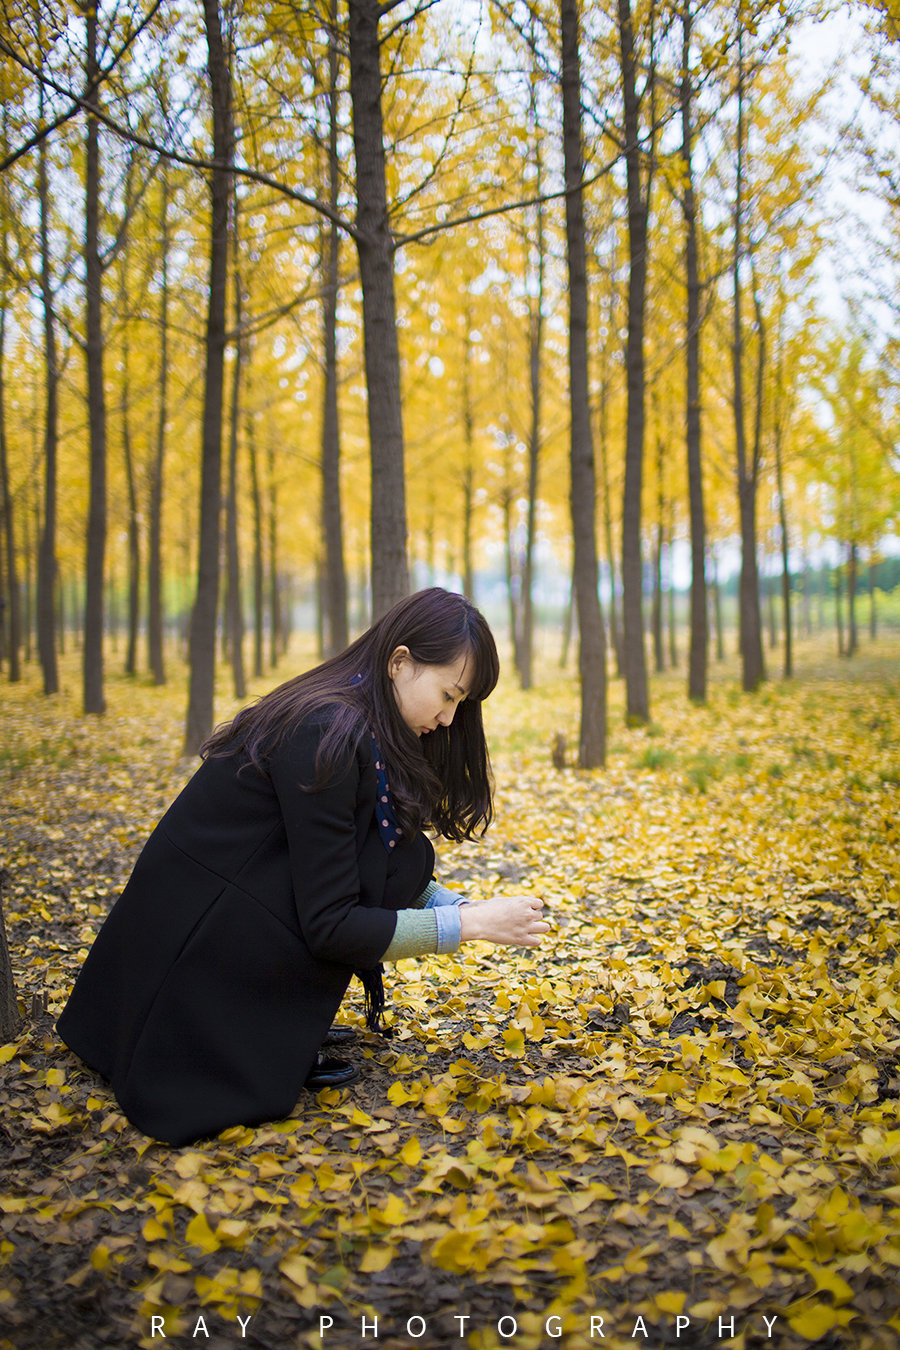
[{"x": 443, "y": 779}]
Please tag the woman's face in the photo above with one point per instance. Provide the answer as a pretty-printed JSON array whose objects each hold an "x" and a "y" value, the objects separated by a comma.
[{"x": 427, "y": 696}]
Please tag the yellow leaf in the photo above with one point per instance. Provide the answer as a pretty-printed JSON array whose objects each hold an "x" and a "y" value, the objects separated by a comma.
[
  {"x": 296, "y": 1268},
  {"x": 815, "y": 1321},
  {"x": 411, "y": 1152},
  {"x": 514, "y": 1040},
  {"x": 668, "y": 1175},
  {"x": 671, "y": 1301},
  {"x": 375, "y": 1259},
  {"x": 7, "y": 1052},
  {"x": 393, "y": 1213},
  {"x": 188, "y": 1164},
  {"x": 452, "y": 1251},
  {"x": 199, "y": 1234}
]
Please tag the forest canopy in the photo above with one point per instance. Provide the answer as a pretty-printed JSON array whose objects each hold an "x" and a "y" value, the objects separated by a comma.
[{"x": 315, "y": 303}]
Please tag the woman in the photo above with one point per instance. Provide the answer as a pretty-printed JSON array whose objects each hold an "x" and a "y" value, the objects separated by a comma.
[{"x": 293, "y": 858}]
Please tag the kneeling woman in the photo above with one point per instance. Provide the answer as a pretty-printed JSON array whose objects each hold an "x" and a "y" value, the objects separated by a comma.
[{"x": 293, "y": 858}]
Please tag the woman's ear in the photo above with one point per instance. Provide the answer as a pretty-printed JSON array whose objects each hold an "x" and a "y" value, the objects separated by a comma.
[{"x": 396, "y": 660}]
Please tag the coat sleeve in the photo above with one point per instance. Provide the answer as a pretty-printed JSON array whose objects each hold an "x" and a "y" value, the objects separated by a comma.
[{"x": 321, "y": 830}]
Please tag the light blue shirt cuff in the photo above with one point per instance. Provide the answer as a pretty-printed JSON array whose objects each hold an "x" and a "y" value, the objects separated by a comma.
[
  {"x": 449, "y": 924},
  {"x": 435, "y": 895}
]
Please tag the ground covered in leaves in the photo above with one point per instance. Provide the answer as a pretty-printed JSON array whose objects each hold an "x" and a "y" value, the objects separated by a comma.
[{"x": 673, "y": 1124}]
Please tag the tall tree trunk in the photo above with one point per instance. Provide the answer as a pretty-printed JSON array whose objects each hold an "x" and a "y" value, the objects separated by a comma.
[
  {"x": 157, "y": 466},
  {"x": 94, "y": 701},
  {"x": 535, "y": 366},
  {"x": 753, "y": 667},
  {"x": 13, "y": 628},
  {"x": 656, "y": 614},
  {"x": 636, "y": 689},
  {"x": 468, "y": 474},
  {"x": 873, "y": 607},
  {"x": 615, "y": 636},
  {"x": 788, "y": 665},
  {"x": 234, "y": 607},
  {"x": 839, "y": 611},
  {"x": 374, "y": 244},
  {"x": 46, "y": 568},
  {"x": 259, "y": 582},
  {"x": 592, "y": 638},
  {"x": 134, "y": 539},
  {"x": 699, "y": 635},
  {"x": 275, "y": 620},
  {"x": 203, "y": 619},
  {"x": 852, "y": 626},
  {"x": 336, "y": 635}
]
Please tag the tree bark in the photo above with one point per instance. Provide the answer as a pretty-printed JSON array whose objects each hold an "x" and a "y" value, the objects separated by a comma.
[
  {"x": 13, "y": 625},
  {"x": 46, "y": 568},
  {"x": 753, "y": 668},
  {"x": 134, "y": 538},
  {"x": 852, "y": 626},
  {"x": 698, "y": 653},
  {"x": 259, "y": 583},
  {"x": 276, "y": 627},
  {"x": 336, "y": 631},
  {"x": 636, "y": 689},
  {"x": 656, "y": 612},
  {"x": 592, "y": 638},
  {"x": 157, "y": 466},
  {"x": 234, "y": 607},
  {"x": 203, "y": 619},
  {"x": 535, "y": 350},
  {"x": 94, "y": 701},
  {"x": 374, "y": 244}
]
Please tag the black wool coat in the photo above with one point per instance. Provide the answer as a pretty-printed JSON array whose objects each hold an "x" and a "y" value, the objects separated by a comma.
[{"x": 217, "y": 973}]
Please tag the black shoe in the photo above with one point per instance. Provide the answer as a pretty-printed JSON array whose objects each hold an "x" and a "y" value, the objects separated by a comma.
[
  {"x": 330, "y": 1073},
  {"x": 338, "y": 1035}
]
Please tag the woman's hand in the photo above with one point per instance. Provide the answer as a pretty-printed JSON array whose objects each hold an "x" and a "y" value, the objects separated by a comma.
[{"x": 512, "y": 921}]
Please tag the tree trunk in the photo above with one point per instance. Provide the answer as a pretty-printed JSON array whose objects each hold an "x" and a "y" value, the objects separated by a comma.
[
  {"x": 535, "y": 349},
  {"x": 468, "y": 474},
  {"x": 592, "y": 638},
  {"x": 749, "y": 615},
  {"x": 699, "y": 636},
  {"x": 839, "y": 611},
  {"x": 234, "y": 607},
  {"x": 873, "y": 608},
  {"x": 636, "y": 689},
  {"x": 336, "y": 631},
  {"x": 134, "y": 540},
  {"x": 94, "y": 701},
  {"x": 13, "y": 627},
  {"x": 852, "y": 628},
  {"x": 275, "y": 624},
  {"x": 374, "y": 244},
  {"x": 788, "y": 666},
  {"x": 656, "y": 612},
  {"x": 203, "y": 619},
  {"x": 259, "y": 582},
  {"x": 157, "y": 466},
  {"x": 615, "y": 636},
  {"x": 46, "y": 568}
]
